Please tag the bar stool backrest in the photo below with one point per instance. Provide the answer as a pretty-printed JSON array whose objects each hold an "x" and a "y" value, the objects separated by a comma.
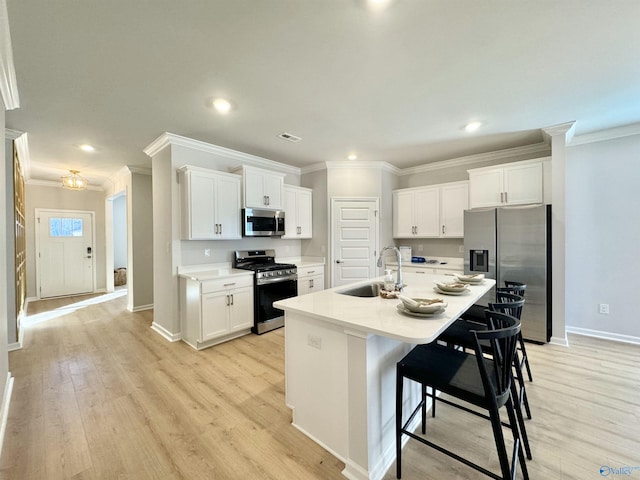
[
  {"x": 509, "y": 304},
  {"x": 503, "y": 337}
]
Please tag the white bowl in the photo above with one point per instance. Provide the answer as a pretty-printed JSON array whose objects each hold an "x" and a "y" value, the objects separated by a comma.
[
  {"x": 452, "y": 286},
  {"x": 425, "y": 305},
  {"x": 471, "y": 278}
]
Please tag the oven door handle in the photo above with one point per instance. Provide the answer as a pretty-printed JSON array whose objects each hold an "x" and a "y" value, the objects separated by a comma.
[{"x": 265, "y": 281}]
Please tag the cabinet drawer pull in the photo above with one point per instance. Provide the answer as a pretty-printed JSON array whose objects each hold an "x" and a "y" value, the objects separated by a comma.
[
  {"x": 229, "y": 284},
  {"x": 420, "y": 272},
  {"x": 310, "y": 272}
]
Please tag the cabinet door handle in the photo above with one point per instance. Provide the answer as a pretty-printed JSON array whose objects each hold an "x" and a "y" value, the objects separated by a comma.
[
  {"x": 311, "y": 283},
  {"x": 506, "y": 198},
  {"x": 227, "y": 300},
  {"x": 443, "y": 229},
  {"x": 220, "y": 229},
  {"x": 268, "y": 200},
  {"x": 232, "y": 299},
  {"x": 416, "y": 227}
]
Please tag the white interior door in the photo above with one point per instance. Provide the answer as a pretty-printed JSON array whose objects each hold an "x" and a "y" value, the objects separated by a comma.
[
  {"x": 354, "y": 234},
  {"x": 65, "y": 252}
]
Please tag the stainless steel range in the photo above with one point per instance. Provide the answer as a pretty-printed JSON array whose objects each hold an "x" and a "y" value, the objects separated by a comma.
[{"x": 272, "y": 282}]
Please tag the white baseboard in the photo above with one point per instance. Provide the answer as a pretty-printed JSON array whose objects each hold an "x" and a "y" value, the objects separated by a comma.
[
  {"x": 616, "y": 337},
  {"x": 561, "y": 341},
  {"x": 4, "y": 408},
  {"x": 141, "y": 308},
  {"x": 172, "y": 337}
]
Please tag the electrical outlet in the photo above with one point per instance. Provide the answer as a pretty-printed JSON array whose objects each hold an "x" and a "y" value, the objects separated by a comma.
[
  {"x": 207, "y": 252},
  {"x": 314, "y": 341},
  {"x": 604, "y": 308},
  {"x": 420, "y": 248}
]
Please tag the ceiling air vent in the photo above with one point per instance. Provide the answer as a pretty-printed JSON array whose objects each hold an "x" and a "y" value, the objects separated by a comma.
[{"x": 289, "y": 137}]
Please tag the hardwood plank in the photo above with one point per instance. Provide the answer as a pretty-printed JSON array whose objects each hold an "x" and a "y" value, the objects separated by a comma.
[{"x": 99, "y": 395}]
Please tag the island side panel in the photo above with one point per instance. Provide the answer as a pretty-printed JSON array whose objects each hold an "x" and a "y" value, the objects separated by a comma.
[
  {"x": 372, "y": 383},
  {"x": 317, "y": 380}
]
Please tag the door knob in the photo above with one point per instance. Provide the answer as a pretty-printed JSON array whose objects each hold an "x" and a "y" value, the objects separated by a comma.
[{"x": 339, "y": 261}]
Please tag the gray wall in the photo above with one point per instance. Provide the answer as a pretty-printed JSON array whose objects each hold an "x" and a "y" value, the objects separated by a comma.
[
  {"x": 120, "y": 232},
  {"x": 603, "y": 235},
  {"x": 140, "y": 205},
  {"x": 58, "y": 198}
]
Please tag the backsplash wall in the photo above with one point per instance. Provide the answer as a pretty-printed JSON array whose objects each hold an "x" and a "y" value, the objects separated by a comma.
[
  {"x": 222, "y": 251},
  {"x": 433, "y": 247}
]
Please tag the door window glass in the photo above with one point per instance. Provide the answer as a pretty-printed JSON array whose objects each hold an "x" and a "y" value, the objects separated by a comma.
[{"x": 65, "y": 227}]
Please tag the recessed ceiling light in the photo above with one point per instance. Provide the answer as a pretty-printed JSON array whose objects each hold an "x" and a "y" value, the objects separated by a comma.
[
  {"x": 352, "y": 156},
  {"x": 472, "y": 126},
  {"x": 87, "y": 148},
  {"x": 378, "y": 4},
  {"x": 221, "y": 105}
]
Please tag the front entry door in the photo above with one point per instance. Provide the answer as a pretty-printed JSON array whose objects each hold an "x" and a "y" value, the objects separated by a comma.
[
  {"x": 65, "y": 252},
  {"x": 354, "y": 233}
]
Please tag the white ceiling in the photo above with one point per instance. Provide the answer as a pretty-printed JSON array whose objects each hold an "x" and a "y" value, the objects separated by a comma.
[{"x": 394, "y": 86}]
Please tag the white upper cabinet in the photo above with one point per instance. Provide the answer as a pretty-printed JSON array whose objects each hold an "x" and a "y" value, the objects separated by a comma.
[
  {"x": 210, "y": 203},
  {"x": 516, "y": 183},
  {"x": 297, "y": 212},
  {"x": 262, "y": 188},
  {"x": 430, "y": 212},
  {"x": 454, "y": 200}
]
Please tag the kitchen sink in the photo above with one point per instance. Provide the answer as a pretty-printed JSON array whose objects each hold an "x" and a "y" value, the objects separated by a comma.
[{"x": 368, "y": 290}]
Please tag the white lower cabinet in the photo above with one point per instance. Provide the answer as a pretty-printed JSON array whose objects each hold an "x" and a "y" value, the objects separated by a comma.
[
  {"x": 310, "y": 279},
  {"x": 214, "y": 311}
]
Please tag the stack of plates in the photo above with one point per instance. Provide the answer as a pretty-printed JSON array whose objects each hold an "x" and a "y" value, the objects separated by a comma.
[
  {"x": 437, "y": 310},
  {"x": 452, "y": 288},
  {"x": 473, "y": 278}
]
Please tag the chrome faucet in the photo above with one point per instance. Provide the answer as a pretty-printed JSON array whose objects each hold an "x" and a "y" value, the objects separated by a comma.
[{"x": 399, "y": 284}]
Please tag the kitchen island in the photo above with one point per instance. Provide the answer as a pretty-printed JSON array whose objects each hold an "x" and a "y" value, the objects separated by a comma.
[{"x": 340, "y": 358}]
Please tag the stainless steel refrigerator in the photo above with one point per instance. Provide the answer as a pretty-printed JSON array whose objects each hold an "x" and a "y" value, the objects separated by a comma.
[{"x": 514, "y": 244}]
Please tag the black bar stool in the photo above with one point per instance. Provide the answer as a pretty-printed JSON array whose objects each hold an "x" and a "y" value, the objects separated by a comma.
[{"x": 485, "y": 382}]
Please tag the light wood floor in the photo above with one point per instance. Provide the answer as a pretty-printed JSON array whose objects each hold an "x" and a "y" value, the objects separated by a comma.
[{"x": 99, "y": 395}]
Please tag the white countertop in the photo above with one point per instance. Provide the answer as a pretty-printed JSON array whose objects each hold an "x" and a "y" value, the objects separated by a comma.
[
  {"x": 214, "y": 274},
  {"x": 380, "y": 316}
]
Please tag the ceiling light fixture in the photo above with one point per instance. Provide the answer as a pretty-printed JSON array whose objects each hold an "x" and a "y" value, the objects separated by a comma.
[
  {"x": 352, "y": 156},
  {"x": 222, "y": 105},
  {"x": 472, "y": 126},
  {"x": 378, "y": 4},
  {"x": 74, "y": 181},
  {"x": 87, "y": 148}
]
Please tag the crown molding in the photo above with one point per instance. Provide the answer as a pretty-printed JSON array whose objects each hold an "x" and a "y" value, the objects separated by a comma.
[
  {"x": 567, "y": 129},
  {"x": 49, "y": 183},
  {"x": 8, "y": 83},
  {"x": 21, "y": 144},
  {"x": 12, "y": 134},
  {"x": 608, "y": 134},
  {"x": 167, "y": 139},
  {"x": 349, "y": 164},
  {"x": 139, "y": 170},
  {"x": 542, "y": 149}
]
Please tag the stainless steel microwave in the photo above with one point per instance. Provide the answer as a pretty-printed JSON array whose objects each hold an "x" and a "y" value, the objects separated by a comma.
[{"x": 262, "y": 223}]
